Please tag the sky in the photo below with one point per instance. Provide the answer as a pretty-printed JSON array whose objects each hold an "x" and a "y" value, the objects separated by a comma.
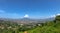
[{"x": 33, "y": 8}]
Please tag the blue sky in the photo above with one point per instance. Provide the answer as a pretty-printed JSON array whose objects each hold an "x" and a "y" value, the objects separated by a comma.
[{"x": 34, "y": 8}]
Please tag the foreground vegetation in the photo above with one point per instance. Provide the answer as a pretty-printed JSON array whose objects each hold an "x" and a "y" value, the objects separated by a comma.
[{"x": 48, "y": 27}]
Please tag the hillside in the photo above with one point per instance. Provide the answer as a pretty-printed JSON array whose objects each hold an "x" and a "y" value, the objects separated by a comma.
[
  {"x": 55, "y": 28},
  {"x": 47, "y": 27}
]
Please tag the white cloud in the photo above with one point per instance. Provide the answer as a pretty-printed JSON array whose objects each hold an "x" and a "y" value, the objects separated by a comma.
[
  {"x": 58, "y": 14},
  {"x": 53, "y": 16},
  {"x": 26, "y": 16},
  {"x": 9, "y": 15},
  {"x": 1, "y": 11},
  {"x": 4, "y": 14}
]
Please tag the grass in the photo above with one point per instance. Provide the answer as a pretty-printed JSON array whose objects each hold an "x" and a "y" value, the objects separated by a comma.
[{"x": 55, "y": 28}]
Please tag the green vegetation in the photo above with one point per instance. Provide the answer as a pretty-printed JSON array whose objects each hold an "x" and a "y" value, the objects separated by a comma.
[{"x": 48, "y": 27}]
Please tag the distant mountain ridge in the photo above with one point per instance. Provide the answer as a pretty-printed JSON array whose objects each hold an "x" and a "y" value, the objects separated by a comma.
[{"x": 27, "y": 20}]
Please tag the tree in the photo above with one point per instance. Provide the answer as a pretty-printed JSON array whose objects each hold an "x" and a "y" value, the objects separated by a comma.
[{"x": 57, "y": 19}]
